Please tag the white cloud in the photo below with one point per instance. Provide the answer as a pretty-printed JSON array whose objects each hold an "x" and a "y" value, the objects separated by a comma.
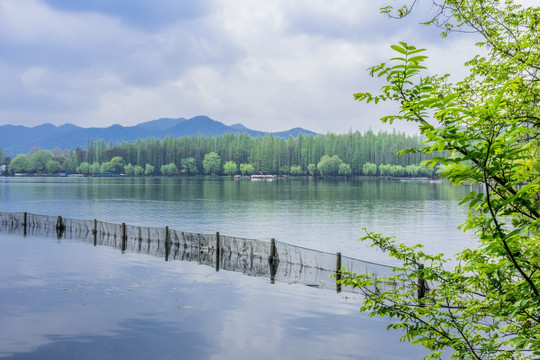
[{"x": 270, "y": 65}]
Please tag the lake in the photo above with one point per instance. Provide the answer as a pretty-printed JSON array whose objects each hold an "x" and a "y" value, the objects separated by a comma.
[
  {"x": 321, "y": 215},
  {"x": 65, "y": 299}
]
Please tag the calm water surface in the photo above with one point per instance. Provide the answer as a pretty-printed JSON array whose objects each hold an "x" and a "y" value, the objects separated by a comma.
[
  {"x": 62, "y": 299},
  {"x": 66, "y": 299},
  {"x": 322, "y": 215}
]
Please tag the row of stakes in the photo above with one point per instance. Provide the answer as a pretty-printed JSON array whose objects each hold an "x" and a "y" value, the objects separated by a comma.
[{"x": 273, "y": 258}]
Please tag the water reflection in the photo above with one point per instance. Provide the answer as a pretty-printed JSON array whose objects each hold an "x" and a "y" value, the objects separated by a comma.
[
  {"x": 65, "y": 300},
  {"x": 323, "y": 215},
  {"x": 161, "y": 340},
  {"x": 275, "y": 260}
]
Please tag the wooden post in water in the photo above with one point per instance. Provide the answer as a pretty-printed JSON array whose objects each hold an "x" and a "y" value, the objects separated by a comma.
[
  {"x": 124, "y": 236},
  {"x": 25, "y": 222},
  {"x": 94, "y": 232},
  {"x": 166, "y": 243},
  {"x": 338, "y": 273},
  {"x": 273, "y": 260},
  {"x": 272, "y": 257},
  {"x": 60, "y": 227},
  {"x": 421, "y": 282},
  {"x": 218, "y": 251}
]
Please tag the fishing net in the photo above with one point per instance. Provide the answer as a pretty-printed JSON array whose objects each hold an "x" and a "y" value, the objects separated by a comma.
[{"x": 275, "y": 260}]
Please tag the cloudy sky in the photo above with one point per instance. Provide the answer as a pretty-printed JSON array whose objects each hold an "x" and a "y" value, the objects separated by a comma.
[{"x": 270, "y": 65}]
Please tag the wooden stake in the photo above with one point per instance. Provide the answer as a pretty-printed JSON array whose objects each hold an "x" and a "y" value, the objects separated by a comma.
[
  {"x": 421, "y": 282},
  {"x": 60, "y": 226},
  {"x": 338, "y": 273},
  {"x": 94, "y": 232},
  {"x": 166, "y": 243},
  {"x": 273, "y": 256},
  {"x": 218, "y": 251},
  {"x": 124, "y": 236},
  {"x": 273, "y": 260}
]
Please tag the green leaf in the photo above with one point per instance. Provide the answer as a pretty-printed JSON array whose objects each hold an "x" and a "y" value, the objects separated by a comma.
[
  {"x": 399, "y": 49},
  {"x": 484, "y": 302}
]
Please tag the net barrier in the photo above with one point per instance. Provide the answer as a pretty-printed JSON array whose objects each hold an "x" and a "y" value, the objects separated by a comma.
[{"x": 276, "y": 260}]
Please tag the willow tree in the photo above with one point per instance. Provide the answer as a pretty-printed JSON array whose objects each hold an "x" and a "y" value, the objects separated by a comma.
[
  {"x": 230, "y": 168},
  {"x": 488, "y": 305},
  {"x": 211, "y": 163}
]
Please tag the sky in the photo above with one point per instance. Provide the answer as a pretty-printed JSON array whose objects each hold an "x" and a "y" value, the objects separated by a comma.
[{"x": 270, "y": 65}]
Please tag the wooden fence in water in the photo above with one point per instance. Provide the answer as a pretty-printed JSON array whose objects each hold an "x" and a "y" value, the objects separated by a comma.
[{"x": 273, "y": 259}]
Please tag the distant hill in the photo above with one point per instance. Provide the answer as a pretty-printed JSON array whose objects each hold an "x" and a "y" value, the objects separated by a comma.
[{"x": 16, "y": 140}]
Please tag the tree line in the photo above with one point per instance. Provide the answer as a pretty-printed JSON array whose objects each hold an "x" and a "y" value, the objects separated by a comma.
[{"x": 353, "y": 153}]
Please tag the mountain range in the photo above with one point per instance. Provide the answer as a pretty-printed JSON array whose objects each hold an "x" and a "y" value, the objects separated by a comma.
[{"x": 17, "y": 139}]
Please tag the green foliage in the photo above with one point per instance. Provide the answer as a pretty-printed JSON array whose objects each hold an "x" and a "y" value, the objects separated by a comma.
[
  {"x": 369, "y": 169},
  {"x": 53, "y": 167},
  {"x": 38, "y": 161},
  {"x": 117, "y": 164},
  {"x": 84, "y": 168},
  {"x": 71, "y": 161},
  {"x": 106, "y": 167},
  {"x": 391, "y": 170},
  {"x": 247, "y": 169},
  {"x": 138, "y": 170},
  {"x": 267, "y": 154},
  {"x": 312, "y": 169},
  {"x": 230, "y": 168},
  {"x": 296, "y": 170},
  {"x": 19, "y": 164},
  {"x": 211, "y": 163},
  {"x": 169, "y": 169},
  {"x": 485, "y": 304},
  {"x": 329, "y": 165},
  {"x": 95, "y": 168},
  {"x": 189, "y": 166},
  {"x": 129, "y": 170},
  {"x": 418, "y": 171},
  {"x": 149, "y": 170},
  {"x": 344, "y": 169}
]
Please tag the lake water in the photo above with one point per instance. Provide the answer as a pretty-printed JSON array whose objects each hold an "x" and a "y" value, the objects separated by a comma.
[
  {"x": 321, "y": 215},
  {"x": 66, "y": 299},
  {"x": 71, "y": 300}
]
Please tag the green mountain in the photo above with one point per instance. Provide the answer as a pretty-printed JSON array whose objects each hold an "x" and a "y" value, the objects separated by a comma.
[{"x": 16, "y": 140}]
